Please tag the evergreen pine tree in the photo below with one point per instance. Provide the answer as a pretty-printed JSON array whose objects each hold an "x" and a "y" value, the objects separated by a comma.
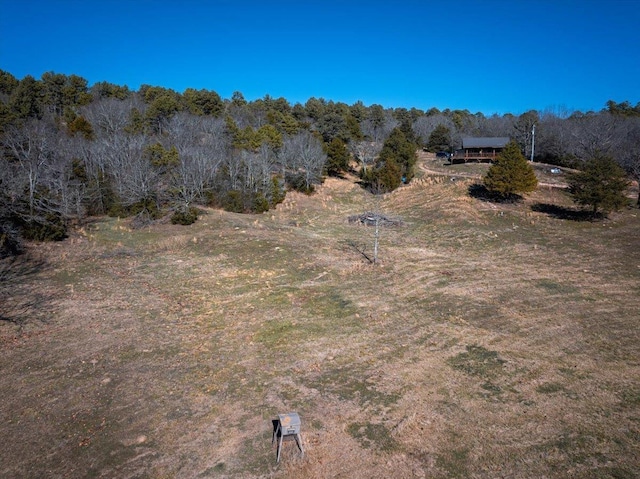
[
  {"x": 439, "y": 139},
  {"x": 600, "y": 186},
  {"x": 510, "y": 175},
  {"x": 337, "y": 157},
  {"x": 395, "y": 163}
]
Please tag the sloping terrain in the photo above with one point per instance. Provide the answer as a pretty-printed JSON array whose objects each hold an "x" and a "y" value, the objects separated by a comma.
[{"x": 490, "y": 341}]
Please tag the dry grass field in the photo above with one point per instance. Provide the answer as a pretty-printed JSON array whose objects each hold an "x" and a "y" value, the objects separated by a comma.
[{"x": 491, "y": 340}]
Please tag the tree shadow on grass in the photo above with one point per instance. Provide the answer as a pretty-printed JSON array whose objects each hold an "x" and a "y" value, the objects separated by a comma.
[
  {"x": 20, "y": 298},
  {"x": 562, "y": 213},
  {"x": 480, "y": 192}
]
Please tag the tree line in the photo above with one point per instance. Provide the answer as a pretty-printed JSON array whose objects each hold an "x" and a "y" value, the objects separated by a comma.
[{"x": 71, "y": 150}]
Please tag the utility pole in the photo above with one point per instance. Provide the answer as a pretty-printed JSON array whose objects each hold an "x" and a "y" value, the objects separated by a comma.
[{"x": 533, "y": 140}]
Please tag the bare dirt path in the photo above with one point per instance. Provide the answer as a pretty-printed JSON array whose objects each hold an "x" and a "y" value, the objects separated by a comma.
[{"x": 427, "y": 164}]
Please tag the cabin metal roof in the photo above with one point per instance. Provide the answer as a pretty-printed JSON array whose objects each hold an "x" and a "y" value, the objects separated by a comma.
[{"x": 485, "y": 142}]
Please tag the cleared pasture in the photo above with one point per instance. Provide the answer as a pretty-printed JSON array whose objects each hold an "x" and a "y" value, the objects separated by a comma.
[{"x": 491, "y": 341}]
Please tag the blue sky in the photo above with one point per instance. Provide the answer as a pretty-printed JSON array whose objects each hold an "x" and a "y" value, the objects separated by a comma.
[{"x": 488, "y": 56}]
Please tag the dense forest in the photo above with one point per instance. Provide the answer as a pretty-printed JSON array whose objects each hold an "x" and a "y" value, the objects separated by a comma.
[{"x": 71, "y": 151}]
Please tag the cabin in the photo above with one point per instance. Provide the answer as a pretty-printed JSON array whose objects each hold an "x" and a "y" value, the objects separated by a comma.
[{"x": 480, "y": 148}]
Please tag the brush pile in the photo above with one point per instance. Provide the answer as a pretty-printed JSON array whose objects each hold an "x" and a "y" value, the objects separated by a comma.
[{"x": 370, "y": 219}]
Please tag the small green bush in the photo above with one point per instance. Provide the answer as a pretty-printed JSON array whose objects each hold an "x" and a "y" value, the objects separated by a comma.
[
  {"x": 147, "y": 207},
  {"x": 277, "y": 191},
  {"x": 51, "y": 228},
  {"x": 260, "y": 203},
  {"x": 238, "y": 201},
  {"x": 233, "y": 202},
  {"x": 298, "y": 182},
  {"x": 186, "y": 216}
]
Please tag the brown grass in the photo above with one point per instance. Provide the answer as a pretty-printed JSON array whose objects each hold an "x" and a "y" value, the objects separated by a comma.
[{"x": 491, "y": 341}]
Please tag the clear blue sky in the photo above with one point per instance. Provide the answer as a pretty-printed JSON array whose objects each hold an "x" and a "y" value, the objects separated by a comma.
[{"x": 488, "y": 56}]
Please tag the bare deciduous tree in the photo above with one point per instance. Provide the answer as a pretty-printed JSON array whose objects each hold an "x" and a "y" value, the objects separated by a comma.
[
  {"x": 366, "y": 152},
  {"x": 523, "y": 130},
  {"x": 133, "y": 176},
  {"x": 32, "y": 148},
  {"x": 378, "y": 126},
  {"x": 303, "y": 153},
  {"x": 109, "y": 116},
  {"x": 591, "y": 134},
  {"x": 195, "y": 174},
  {"x": 424, "y": 126},
  {"x": 628, "y": 152},
  {"x": 496, "y": 125}
]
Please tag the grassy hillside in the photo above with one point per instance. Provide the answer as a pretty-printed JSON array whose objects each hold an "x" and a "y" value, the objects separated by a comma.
[{"x": 490, "y": 341}]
